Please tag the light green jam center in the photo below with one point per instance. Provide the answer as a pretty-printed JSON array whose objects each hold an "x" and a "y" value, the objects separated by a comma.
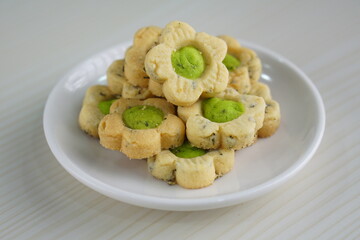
[
  {"x": 220, "y": 110},
  {"x": 142, "y": 117},
  {"x": 188, "y": 62},
  {"x": 187, "y": 151},
  {"x": 104, "y": 106},
  {"x": 231, "y": 62}
]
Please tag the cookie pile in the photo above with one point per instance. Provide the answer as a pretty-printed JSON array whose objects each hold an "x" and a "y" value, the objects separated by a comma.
[{"x": 183, "y": 100}]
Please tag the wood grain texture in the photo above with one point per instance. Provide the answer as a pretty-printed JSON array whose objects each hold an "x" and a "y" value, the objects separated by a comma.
[{"x": 41, "y": 40}]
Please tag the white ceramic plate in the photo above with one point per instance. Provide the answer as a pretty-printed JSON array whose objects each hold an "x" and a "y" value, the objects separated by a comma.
[{"x": 258, "y": 169}]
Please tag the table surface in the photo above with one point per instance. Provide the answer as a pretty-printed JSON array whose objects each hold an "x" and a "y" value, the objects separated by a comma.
[{"x": 41, "y": 40}]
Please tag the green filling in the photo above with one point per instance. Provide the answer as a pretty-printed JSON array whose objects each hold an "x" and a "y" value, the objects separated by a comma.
[
  {"x": 142, "y": 117},
  {"x": 231, "y": 62},
  {"x": 188, "y": 62},
  {"x": 187, "y": 151},
  {"x": 219, "y": 110},
  {"x": 104, "y": 106}
]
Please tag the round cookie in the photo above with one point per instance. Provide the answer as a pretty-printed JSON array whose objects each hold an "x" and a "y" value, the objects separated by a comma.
[
  {"x": 90, "y": 114},
  {"x": 141, "y": 143},
  {"x": 191, "y": 172}
]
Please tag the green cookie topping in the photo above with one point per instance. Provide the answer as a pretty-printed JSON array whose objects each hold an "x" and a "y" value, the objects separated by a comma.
[
  {"x": 187, "y": 151},
  {"x": 104, "y": 106},
  {"x": 219, "y": 110},
  {"x": 231, "y": 62},
  {"x": 143, "y": 117},
  {"x": 188, "y": 62}
]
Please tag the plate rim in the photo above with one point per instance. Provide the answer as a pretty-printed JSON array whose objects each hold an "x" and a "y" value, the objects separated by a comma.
[{"x": 191, "y": 204}]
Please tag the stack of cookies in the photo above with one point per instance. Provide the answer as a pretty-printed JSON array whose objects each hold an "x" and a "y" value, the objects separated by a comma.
[{"x": 183, "y": 100}]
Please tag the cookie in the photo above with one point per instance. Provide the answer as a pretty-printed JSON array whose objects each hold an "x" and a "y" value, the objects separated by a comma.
[
  {"x": 156, "y": 88},
  {"x": 248, "y": 59},
  {"x": 144, "y": 39},
  {"x": 239, "y": 79},
  {"x": 119, "y": 85},
  {"x": 90, "y": 113},
  {"x": 141, "y": 129},
  {"x": 187, "y": 64},
  {"x": 192, "y": 173},
  {"x": 236, "y": 133},
  {"x": 272, "y": 110}
]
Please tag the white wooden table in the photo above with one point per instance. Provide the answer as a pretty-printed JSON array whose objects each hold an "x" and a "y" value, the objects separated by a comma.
[{"x": 41, "y": 40}]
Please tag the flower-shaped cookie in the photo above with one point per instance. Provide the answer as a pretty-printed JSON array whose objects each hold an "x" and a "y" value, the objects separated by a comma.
[
  {"x": 187, "y": 63},
  {"x": 241, "y": 60},
  {"x": 90, "y": 113},
  {"x": 272, "y": 110},
  {"x": 144, "y": 39},
  {"x": 238, "y": 132},
  {"x": 193, "y": 172},
  {"x": 141, "y": 129},
  {"x": 119, "y": 85}
]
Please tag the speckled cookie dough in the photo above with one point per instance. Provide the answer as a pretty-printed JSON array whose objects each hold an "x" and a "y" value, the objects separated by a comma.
[
  {"x": 239, "y": 80},
  {"x": 90, "y": 113},
  {"x": 249, "y": 61},
  {"x": 119, "y": 85},
  {"x": 191, "y": 172},
  {"x": 272, "y": 110},
  {"x": 187, "y": 63},
  {"x": 234, "y": 134},
  {"x": 144, "y": 39},
  {"x": 151, "y": 136},
  {"x": 156, "y": 88}
]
